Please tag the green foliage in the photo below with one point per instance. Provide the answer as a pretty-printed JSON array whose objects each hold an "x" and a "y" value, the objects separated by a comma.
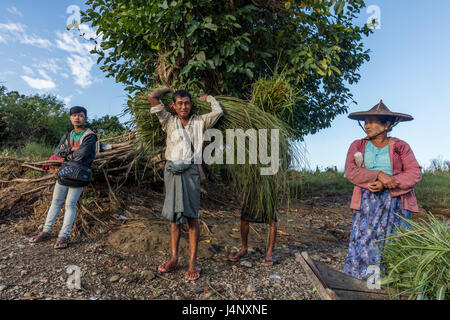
[
  {"x": 418, "y": 260},
  {"x": 222, "y": 47},
  {"x": 106, "y": 126},
  {"x": 31, "y": 151},
  {"x": 330, "y": 183},
  {"x": 31, "y": 118},
  {"x": 434, "y": 190}
]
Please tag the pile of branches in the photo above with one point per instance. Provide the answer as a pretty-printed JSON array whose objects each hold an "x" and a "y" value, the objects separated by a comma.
[{"x": 120, "y": 162}]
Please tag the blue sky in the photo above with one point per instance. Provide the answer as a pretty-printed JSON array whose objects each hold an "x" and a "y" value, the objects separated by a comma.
[{"x": 409, "y": 69}]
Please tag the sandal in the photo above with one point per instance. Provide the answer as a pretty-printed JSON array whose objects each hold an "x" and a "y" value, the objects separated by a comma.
[
  {"x": 164, "y": 268},
  {"x": 193, "y": 275},
  {"x": 236, "y": 256},
  {"x": 268, "y": 263},
  {"x": 40, "y": 237},
  {"x": 61, "y": 243}
]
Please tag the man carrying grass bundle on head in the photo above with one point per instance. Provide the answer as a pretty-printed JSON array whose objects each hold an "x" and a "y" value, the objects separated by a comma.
[
  {"x": 181, "y": 174},
  {"x": 77, "y": 148}
]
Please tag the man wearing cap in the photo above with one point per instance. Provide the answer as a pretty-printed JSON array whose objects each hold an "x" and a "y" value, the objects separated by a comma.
[
  {"x": 384, "y": 173},
  {"x": 78, "y": 146}
]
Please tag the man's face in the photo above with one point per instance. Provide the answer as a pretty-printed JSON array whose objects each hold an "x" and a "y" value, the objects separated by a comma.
[
  {"x": 182, "y": 107},
  {"x": 78, "y": 119}
]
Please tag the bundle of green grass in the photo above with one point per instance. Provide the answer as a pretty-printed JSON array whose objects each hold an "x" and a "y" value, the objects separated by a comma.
[
  {"x": 238, "y": 114},
  {"x": 418, "y": 260}
]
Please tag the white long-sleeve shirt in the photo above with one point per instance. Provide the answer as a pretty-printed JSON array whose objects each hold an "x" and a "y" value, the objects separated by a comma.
[{"x": 179, "y": 138}]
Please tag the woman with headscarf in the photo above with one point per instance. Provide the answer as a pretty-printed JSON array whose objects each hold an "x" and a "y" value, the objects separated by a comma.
[{"x": 384, "y": 172}]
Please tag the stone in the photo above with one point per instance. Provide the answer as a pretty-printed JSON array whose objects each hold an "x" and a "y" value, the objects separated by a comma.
[
  {"x": 99, "y": 291},
  {"x": 198, "y": 290},
  {"x": 246, "y": 264},
  {"x": 250, "y": 288},
  {"x": 114, "y": 278},
  {"x": 149, "y": 275},
  {"x": 2, "y": 288}
]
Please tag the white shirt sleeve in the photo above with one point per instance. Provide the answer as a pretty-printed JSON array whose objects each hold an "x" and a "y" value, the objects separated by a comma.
[
  {"x": 210, "y": 119},
  {"x": 162, "y": 114}
]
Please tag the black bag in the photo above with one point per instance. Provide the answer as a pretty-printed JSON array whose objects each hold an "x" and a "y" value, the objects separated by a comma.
[{"x": 74, "y": 174}]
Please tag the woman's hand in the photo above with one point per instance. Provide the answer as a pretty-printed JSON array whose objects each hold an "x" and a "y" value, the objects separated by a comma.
[
  {"x": 387, "y": 180},
  {"x": 376, "y": 186}
]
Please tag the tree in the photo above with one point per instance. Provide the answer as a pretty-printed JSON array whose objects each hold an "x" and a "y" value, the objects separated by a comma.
[
  {"x": 106, "y": 126},
  {"x": 31, "y": 118},
  {"x": 222, "y": 47}
]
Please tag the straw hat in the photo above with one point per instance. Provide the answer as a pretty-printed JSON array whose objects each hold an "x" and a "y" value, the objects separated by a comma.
[{"x": 380, "y": 110}]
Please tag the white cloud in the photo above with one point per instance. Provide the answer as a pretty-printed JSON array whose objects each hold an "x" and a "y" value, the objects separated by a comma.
[
  {"x": 2, "y": 40},
  {"x": 14, "y": 10},
  {"x": 66, "y": 100},
  {"x": 16, "y": 32},
  {"x": 52, "y": 65},
  {"x": 40, "y": 84},
  {"x": 28, "y": 70},
  {"x": 12, "y": 27},
  {"x": 35, "y": 41},
  {"x": 81, "y": 67},
  {"x": 80, "y": 61},
  {"x": 69, "y": 41}
]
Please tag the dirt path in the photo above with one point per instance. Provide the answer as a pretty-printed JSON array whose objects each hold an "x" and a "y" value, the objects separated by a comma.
[{"x": 40, "y": 272}]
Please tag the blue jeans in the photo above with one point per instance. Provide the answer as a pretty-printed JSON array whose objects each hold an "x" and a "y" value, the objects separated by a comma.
[{"x": 61, "y": 193}]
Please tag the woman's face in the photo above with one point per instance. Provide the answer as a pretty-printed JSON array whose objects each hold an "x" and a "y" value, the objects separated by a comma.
[{"x": 373, "y": 126}]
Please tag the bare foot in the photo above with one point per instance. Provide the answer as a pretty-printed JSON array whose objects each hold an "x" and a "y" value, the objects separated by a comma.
[{"x": 168, "y": 266}]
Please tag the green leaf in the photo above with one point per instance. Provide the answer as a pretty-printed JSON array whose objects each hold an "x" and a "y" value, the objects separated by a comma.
[{"x": 210, "y": 26}]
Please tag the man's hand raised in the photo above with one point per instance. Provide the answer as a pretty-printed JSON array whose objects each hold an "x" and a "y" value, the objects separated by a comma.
[{"x": 154, "y": 96}]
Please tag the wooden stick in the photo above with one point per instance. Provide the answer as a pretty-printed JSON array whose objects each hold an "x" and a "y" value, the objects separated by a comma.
[
  {"x": 30, "y": 180},
  {"x": 92, "y": 215},
  {"x": 109, "y": 187},
  {"x": 32, "y": 167}
]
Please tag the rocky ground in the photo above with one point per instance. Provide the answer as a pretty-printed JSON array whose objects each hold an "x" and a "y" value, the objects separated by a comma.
[{"x": 121, "y": 264}]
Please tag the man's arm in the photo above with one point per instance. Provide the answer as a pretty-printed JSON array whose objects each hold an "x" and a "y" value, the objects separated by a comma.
[
  {"x": 86, "y": 149},
  {"x": 62, "y": 151},
  {"x": 210, "y": 119},
  {"x": 158, "y": 108}
]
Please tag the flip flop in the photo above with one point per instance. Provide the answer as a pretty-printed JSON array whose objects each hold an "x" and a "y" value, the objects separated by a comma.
[
  {"x": 40, "y": 237},
  {"x": 164, "y": 269},
  {"x": 236, "y": 256},
  {"x": 268, "y": 263},
  {"x": 61, "y": 243},
  {"x": 193, "y": 275}
]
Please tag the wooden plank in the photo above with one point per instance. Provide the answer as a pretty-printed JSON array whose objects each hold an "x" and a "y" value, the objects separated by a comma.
[
  {"x": 324, "y": 292},
  {"x": 357, "y": 295},
  {"x": 341, "y": 281}
]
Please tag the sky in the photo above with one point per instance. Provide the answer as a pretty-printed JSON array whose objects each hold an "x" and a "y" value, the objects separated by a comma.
[{"x": 409, "y": 69}]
